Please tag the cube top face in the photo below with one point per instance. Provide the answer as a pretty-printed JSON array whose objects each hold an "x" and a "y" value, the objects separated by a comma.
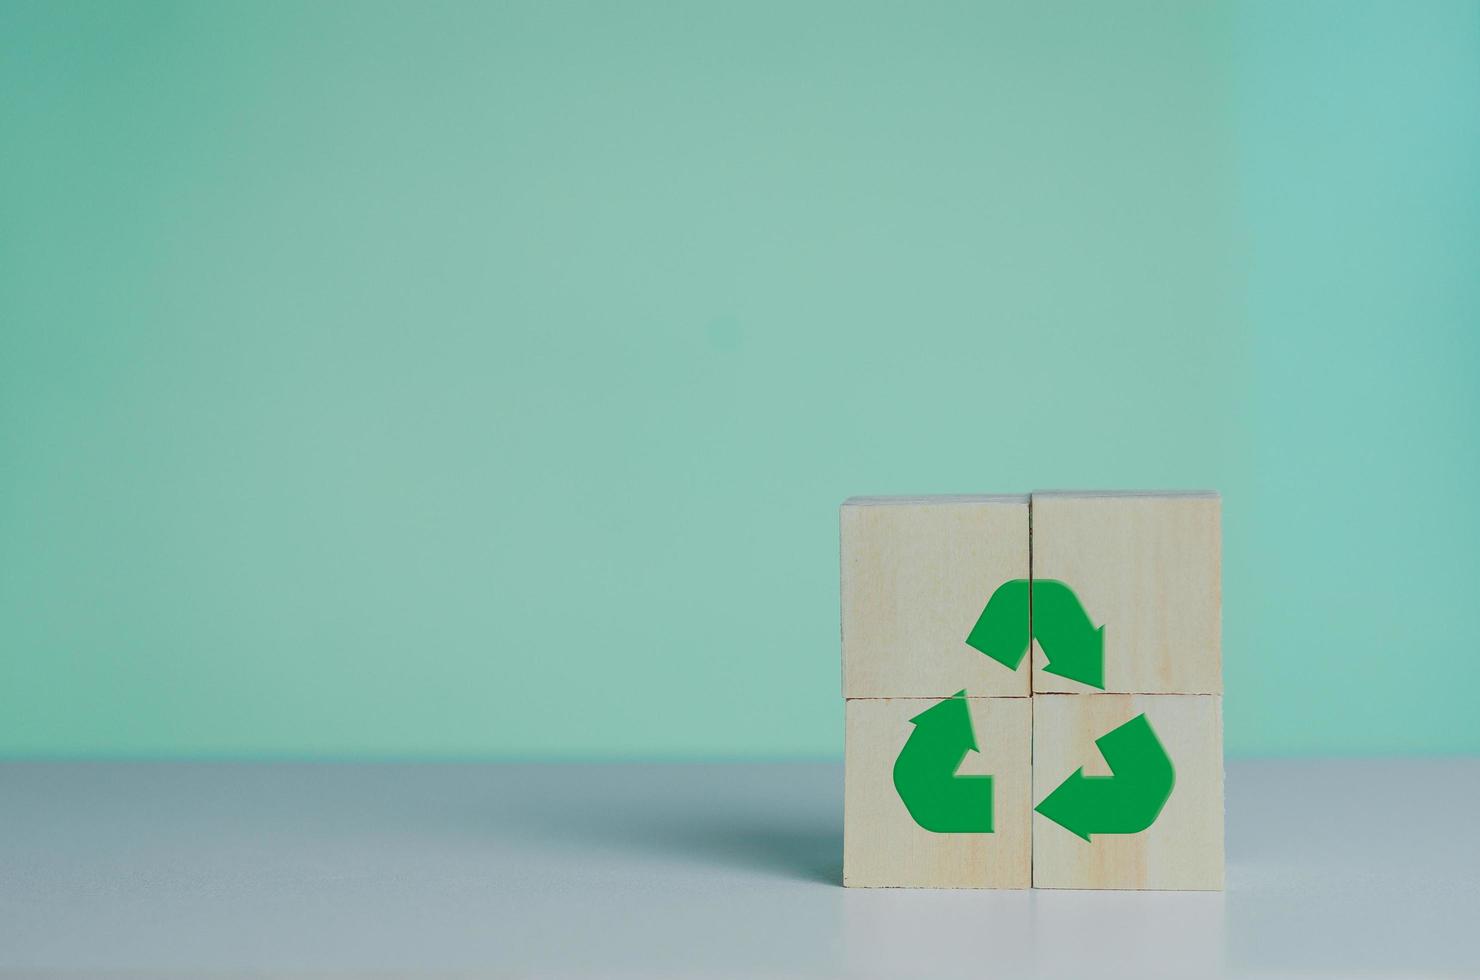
[
  {"x": 916, "y": 575},
  {"x": 1146, "y": 567},
  {"x": 883, "y": 843},
  {"x": 1182, "y": 847}
]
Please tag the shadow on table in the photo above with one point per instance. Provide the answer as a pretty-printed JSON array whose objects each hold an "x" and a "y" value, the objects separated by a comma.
[
  {"x": 813, "y": 854},
  {"x": 776, "y": 819},
  {"x": 808, "y": 852}
]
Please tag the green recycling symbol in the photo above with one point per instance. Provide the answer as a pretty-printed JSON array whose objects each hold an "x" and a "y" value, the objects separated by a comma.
[{"x": 1126, "y": 802}]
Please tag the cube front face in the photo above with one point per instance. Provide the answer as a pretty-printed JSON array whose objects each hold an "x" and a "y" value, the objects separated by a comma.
[
  {"x": 884, "y": 845},
  {"x": 916, "y": 575},
  {"x": 1103, "y": 745},
  {"x": 1182, "y": 848},
  {"x": 1146, "y": 567}
]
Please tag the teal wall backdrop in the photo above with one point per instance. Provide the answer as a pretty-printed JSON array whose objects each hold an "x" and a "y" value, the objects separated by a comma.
[{"x": 483, "y": 379}]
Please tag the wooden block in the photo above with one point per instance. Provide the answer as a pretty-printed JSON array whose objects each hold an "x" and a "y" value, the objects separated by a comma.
[
  {"x": 1146, "y": 567},
  {"x": 1182, "y": 848},
  {"x": 916, "y": 574},
  {"x": 884, "y": 845}
]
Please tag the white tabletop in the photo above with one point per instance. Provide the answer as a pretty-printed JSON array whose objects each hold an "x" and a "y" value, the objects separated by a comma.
[{"x": 1337, "y": 868}]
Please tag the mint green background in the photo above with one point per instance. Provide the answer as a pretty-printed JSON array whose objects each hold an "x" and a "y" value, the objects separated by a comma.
[{"x": 483, "y": 379}]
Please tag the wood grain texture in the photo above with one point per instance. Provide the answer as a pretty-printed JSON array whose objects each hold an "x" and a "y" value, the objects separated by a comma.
[
  {"x": 1147, "y": 567},
  {"x": 1183, "y": 849},
  {"x": 916, "y": 573},
  {"x": 883, "y": 847}
]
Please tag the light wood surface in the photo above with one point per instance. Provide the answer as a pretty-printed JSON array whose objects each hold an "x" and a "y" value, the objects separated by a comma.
[
  {"x": 916, "y": 573},
  {"x": 1183, "y": 849},
  {"x": 882, "y": 844},
  {"x": 1147, "y": 567}
]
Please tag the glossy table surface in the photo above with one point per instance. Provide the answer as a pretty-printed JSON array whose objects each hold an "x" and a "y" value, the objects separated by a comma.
[{"x": 1336, "y": 868}]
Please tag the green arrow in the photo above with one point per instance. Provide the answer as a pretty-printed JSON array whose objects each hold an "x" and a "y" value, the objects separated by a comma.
[
  {"x": 925, "y": 772},
  {"x": 1001, "y": 631},
  {"x": 1127, "y": 802},
  {"x": 1075, "y": 648}
]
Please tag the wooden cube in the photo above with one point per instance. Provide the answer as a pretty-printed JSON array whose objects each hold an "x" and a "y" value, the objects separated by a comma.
[
  {"x": 916, "y": 575},
  {"x": 909, "y": 767},
  {"x": 1128, "y": 791},
  {"x": 1147, "y": 568}
]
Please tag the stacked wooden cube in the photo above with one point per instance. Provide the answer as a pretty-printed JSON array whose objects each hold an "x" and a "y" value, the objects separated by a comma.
[{"x": 1033, "y": 691}]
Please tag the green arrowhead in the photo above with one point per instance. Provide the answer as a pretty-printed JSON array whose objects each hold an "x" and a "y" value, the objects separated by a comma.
[
  {"x": 1124, "y": 803},
  {"x": 925, "y": 772},
  {"x": 1075, "y": 648}
]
